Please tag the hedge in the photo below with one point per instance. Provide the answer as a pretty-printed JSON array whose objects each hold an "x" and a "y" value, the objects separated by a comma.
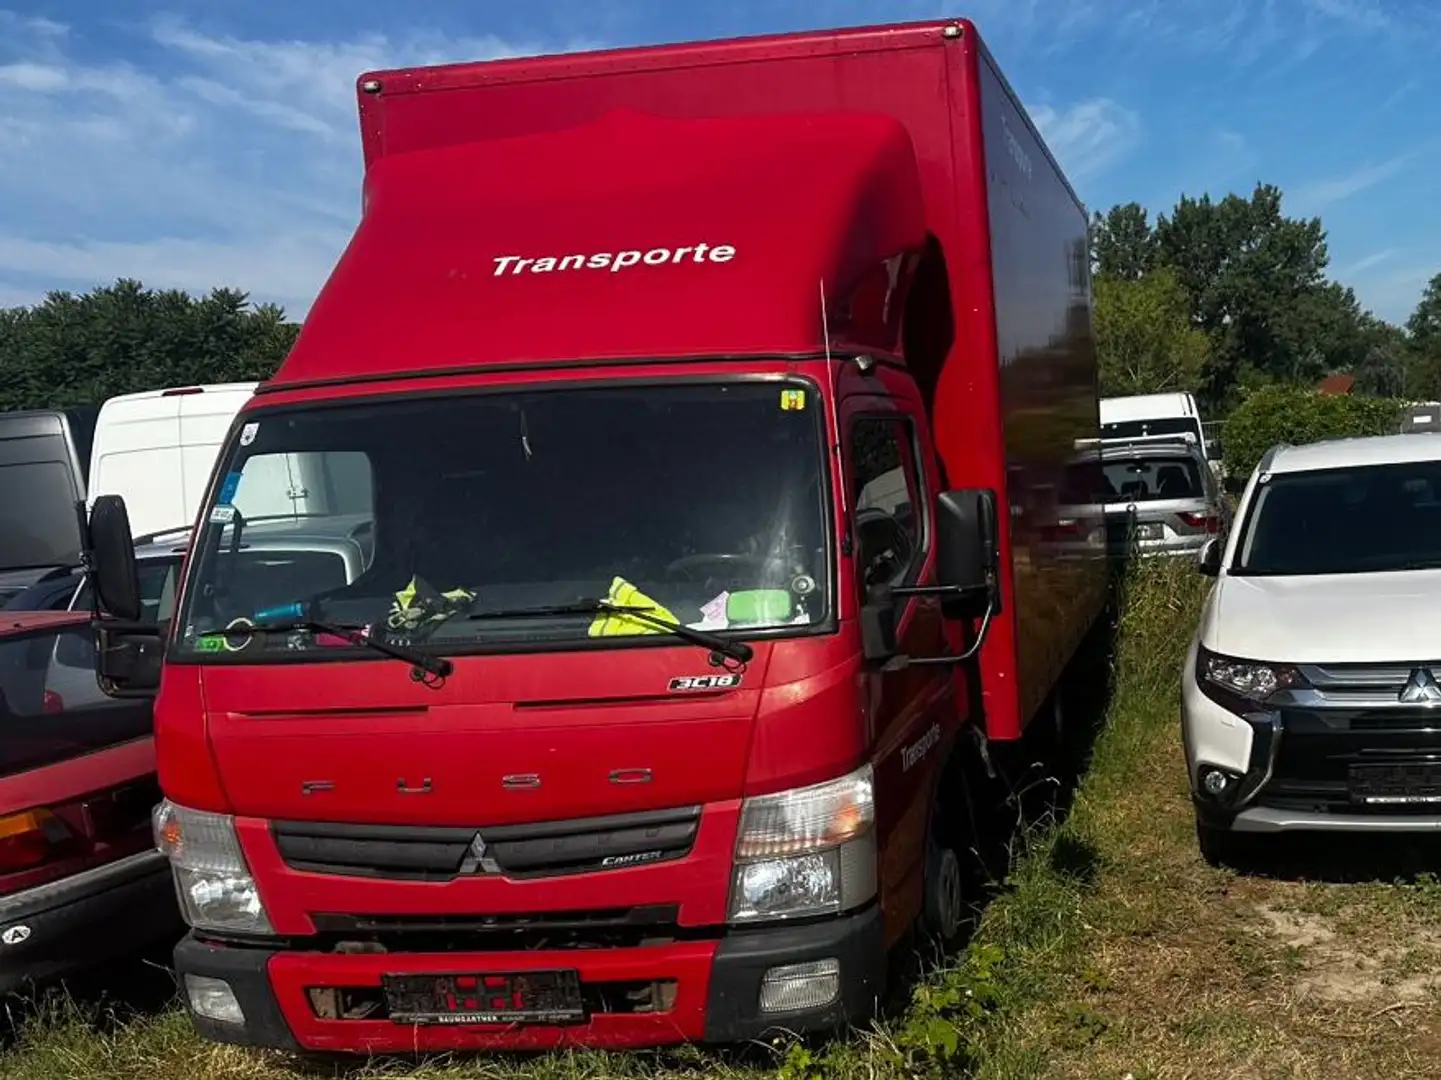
[{"x": 1292, "y": 415}]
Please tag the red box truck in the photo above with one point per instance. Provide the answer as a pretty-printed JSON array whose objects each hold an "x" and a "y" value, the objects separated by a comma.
[{"x": 704, "y": 412}]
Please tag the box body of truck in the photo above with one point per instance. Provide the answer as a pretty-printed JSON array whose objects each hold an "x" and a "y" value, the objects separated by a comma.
[{"x": 721, "y": 335}]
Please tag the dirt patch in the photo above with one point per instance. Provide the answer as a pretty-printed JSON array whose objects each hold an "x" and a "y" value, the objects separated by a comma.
[{"x": 1332, "y": 965}]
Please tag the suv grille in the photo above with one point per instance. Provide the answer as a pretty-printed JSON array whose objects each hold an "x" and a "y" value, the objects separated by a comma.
[{"x": 442, "y": 853}]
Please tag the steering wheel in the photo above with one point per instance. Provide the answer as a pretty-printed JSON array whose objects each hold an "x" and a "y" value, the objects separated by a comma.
[{"x": 723, "y": 562}]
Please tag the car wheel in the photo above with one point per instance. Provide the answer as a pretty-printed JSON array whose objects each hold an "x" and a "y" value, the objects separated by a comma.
[{"x": 1219, "y": 847}]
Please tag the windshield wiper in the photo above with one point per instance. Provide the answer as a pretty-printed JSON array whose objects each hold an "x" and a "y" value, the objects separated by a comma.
[
  {"x": 423, "y": 664},
  {"x": 734, "y": 650}
]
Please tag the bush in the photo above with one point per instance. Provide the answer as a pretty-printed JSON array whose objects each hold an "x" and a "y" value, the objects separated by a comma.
[{"x": 1292, "y": 415}]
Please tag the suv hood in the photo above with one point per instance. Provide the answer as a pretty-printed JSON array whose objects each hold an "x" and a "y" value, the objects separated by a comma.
[
  {"x": 506, "y": 739},
  {"x": 1340, "y": 618}
]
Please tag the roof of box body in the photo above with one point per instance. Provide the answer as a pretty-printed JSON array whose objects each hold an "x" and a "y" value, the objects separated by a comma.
[{"x": 631, "y": 237}]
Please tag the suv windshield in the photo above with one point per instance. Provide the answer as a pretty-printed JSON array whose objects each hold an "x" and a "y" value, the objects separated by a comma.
[
  {"x": 1344, "y": 521},
  {"x": 1149, "y": 479},
  {"x": 492, "y": 519}
]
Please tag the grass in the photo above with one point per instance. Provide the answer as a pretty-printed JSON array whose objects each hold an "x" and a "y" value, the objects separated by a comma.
[{"x": 1111, "y": 951}]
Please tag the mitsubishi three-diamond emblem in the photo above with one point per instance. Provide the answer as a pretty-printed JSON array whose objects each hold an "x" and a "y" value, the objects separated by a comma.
[
  {"x": 477, "y": 858},
  {"x": 1421, "y": 689}
]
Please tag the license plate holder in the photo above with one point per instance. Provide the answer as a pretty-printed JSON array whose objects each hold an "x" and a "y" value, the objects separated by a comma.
[
  {"x": 519, "y": 997},
  {"x": 1148, "y": 531},
  {"x": 1410, "y": 783}
]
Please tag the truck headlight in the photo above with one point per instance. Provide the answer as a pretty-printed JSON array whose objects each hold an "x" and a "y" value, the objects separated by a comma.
[
  {"x": 805, "y": 852},
  {"x": 214, "y": 884}
]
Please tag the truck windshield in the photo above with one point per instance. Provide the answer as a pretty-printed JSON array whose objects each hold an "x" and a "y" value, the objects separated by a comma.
[
  {"x": 1344, "y": 521},
  {"x": 700, "y": 504}
]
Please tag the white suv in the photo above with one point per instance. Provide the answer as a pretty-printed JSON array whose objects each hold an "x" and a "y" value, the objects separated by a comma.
[{"x": 1310, "y": 696}]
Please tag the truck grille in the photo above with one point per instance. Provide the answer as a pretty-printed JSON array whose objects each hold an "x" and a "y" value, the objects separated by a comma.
[{"x": 443, "y": 853}]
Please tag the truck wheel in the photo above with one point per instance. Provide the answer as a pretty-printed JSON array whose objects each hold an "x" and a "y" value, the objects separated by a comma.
[{"x": 945, "y": 908}]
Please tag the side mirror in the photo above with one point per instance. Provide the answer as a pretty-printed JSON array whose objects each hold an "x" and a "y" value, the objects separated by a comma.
[
  {"x": 967, "y": 548},
  {"x": 1213, "y": 451},
  {"x": 127, "y": 661},
  {"x": 112, "y": 559},
  {"x": 1208, "y": 560}
]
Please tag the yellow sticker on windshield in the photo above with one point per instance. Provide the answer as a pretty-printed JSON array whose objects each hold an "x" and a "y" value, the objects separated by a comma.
[{"x": 793, "y": 400}]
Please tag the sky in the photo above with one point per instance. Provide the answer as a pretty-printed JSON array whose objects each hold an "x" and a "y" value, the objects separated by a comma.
[{"x": 202, "y": 143}]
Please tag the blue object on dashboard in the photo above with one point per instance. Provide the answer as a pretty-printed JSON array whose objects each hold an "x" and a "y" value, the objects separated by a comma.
[{"x": 285, "y": 611}]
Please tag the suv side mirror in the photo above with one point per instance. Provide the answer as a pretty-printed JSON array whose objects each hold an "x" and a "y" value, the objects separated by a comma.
[
  {"x": 1208, "y": 560},
  {"x": 1213, "y": 450},
  {"x": 967, "y": 549},
  {"x": 112, "y": 559}
]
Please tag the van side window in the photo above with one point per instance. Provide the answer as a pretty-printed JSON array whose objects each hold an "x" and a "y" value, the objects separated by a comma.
[{"x": 886, "y": 498}]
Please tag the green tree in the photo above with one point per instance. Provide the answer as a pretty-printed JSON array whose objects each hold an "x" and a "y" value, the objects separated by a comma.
[
  {"x": 1145, "y": 342},
  {"x": 74, "y": 350},
  {"x": 1123, "y": 244},
  {"x": 1424, "y": 326},
  {"x": 1257, "y": 284}
]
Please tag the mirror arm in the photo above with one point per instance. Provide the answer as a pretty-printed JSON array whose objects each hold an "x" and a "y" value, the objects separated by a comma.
[
  {"x": 958, "y": 592},
  {"x": 901, "y": 661}
]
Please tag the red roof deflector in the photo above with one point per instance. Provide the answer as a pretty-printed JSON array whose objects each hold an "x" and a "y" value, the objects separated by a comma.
[{"x": 631, "y": 237}]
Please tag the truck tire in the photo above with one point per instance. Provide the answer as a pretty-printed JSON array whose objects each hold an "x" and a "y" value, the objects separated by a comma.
[{"x": 945, "y": 908}]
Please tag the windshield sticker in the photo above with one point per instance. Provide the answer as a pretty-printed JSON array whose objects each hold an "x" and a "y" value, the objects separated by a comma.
[
  {"x": 228, "y": 487},
  {"x": 793, "y": 400},
  {"x": 248, "y": 433},
  {"x": 222, "y": 515},
  {"x": 691, "y": 683}
]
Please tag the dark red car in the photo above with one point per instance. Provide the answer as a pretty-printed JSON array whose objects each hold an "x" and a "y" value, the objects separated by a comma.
[{"x": 80, "y": 879}]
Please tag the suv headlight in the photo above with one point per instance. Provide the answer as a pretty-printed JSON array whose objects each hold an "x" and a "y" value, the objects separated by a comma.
[
  {"x": 214, "y": 884},
  {"x": 1249, "y": 680},
  {"x": 805, "y": 852}
]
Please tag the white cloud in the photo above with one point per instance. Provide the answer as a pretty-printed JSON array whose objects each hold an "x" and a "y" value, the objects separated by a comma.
[
  {"x": 229, "y": 162},
  {"x": 1365, "y": 263},
  {"x": 1090, "y": 137},
  {"x": 1313, "y": 196}
]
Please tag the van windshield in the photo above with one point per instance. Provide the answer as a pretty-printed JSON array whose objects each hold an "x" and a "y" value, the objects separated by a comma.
[
  {"x": 1360, "y": 520},
  {"x": 698, "y": 503}
]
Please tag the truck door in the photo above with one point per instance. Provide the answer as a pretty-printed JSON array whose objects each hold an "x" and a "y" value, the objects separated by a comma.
[{"x": 913, "y": 713}]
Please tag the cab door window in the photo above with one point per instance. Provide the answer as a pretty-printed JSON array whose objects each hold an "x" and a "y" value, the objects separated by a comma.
[{"x": 887, "y": 500}]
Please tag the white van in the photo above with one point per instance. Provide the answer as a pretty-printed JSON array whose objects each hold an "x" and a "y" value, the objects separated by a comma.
[
  {"x": 157, "y": 448},
  {"x": 1142, "y": 416}
]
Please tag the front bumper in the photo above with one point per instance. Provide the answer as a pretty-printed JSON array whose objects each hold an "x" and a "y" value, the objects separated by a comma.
[
  {"x": 1293, "y": 766},
  {"x": 716, "y": 994},
  {"x": 100, "y": 914}
]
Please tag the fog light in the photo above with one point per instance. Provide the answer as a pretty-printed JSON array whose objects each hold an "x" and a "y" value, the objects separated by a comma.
[
  {"x": 1214, "y": 781},
  {"x": 213, "y": 999},
  {"x": 794, "y": 987}
]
